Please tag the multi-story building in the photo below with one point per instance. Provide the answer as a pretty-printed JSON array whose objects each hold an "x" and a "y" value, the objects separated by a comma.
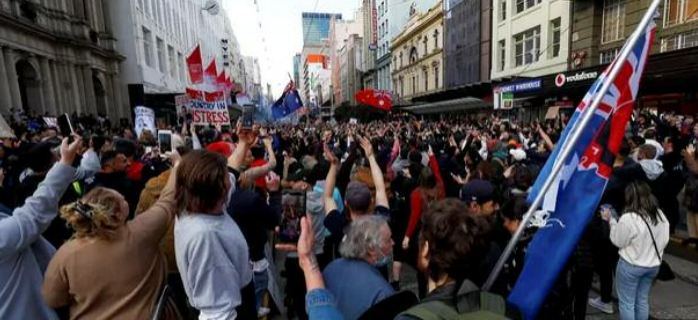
[
  {"x": 350, "y": 73},
  {"x": 529, "y": 37},
  {"x": 467, "y": 26},
  {"x": 59, "y": 57},
  {"x": 251, "y": 79},
  {"x": 316, "y": 35},
  {"x": 156, "y": 36},
  {"x": 341, "y": 32},
  {"x": 297, "y": 69},
  {"x": 417, "y": 55},
  {"x": 370, "y": 42},
  {"x": 600, "y": 29},
  {"x": 392, "y": 16}
]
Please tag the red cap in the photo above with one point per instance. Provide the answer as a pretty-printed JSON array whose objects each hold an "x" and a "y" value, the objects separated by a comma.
[{"x": 221, "y": 147}]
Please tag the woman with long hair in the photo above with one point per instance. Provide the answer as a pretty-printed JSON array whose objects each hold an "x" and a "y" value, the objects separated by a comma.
[
  {"x": 110, "y": 268},
  {"x": 641, "y": 234},
  {"x": 430, "y": 189}
]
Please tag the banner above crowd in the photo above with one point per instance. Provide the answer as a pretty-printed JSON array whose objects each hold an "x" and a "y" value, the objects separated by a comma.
[{"x": 208, "y": 108}]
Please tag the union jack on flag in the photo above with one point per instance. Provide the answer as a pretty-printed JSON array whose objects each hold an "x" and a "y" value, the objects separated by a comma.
[{"x": 575, "y": 194}]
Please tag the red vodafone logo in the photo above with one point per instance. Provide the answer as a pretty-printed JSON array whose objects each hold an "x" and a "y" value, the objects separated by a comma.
[{"x": 560, "y": 80}]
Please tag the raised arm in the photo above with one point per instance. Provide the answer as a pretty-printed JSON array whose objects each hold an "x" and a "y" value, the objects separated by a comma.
[
  {"x": 154, "y": 222},
  {"x": 27, "y": 222},
  {"x": 331, "y": 181},
  {"x": 246, "y": 137},
  {"x": 376, "y": 173}
]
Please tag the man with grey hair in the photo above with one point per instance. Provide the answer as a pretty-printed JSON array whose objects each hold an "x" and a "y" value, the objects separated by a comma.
[{"x": 354, "y": 279}]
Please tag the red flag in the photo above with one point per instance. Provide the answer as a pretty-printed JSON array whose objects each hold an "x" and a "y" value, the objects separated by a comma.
[
  {"x": 214, "y": 96},
  {"x": 220, "y": 81},
  {"x": 195, "y": 66},
  {"x": 195, "y": 94},
  {"x": 375, "y": 98},
  {"x": 384, "y": 100},
  {"x": 211, "y": 73},
  {"x": 228, "y": 84}
]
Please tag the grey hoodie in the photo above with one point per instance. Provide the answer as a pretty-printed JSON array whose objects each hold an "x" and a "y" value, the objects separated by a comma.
[
  {"x": 652, "y": 168},
  {"x": 24, "y": 254}
]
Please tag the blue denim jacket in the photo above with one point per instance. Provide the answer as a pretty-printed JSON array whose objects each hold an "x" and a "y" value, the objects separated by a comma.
[{"x": 321, "y": 305}]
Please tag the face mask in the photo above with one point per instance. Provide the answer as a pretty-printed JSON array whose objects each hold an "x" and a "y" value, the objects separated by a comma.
[{"x": 383, "y": 261}]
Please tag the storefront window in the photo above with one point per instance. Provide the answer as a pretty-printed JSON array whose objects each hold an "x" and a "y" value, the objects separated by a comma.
[
  {"x": 527, "y": 45},
  {"x": 613, "y": 25},
  {"x": 680, "y": 11},
  {"x": 680, "y": 41}
]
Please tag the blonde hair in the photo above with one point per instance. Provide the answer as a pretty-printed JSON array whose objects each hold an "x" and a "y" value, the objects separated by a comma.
[{"x": 94, "y": 216}]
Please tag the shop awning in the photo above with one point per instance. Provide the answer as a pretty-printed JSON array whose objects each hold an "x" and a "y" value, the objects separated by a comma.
[{"x": 454, "y": 105}]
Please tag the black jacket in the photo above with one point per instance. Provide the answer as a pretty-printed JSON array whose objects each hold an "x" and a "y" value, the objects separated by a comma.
[{"x": 255, "y": 218}]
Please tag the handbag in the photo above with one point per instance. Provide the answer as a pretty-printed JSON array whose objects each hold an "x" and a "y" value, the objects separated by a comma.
[{"x": 665, "y": 273}]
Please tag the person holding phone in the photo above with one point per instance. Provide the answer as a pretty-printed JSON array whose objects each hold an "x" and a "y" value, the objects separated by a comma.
[
  {"x": 641, "y": 235},
  {"x": 24, "y": 253}
]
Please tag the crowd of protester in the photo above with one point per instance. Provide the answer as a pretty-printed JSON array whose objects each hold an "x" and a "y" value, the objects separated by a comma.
[{"x": 104, "y": 225}]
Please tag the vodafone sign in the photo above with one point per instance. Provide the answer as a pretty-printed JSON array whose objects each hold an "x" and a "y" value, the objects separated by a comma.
[{"x": 561, "y": 79}]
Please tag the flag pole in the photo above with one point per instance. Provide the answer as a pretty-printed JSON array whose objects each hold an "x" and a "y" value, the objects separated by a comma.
[{"x": 576, "y": 133}]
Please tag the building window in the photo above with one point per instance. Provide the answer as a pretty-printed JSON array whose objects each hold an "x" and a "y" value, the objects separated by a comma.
[
  {"x": 555, "y": 38},
  {"x": 402, "y": 87},
  {"x": 413, "y": 55},
  {"x": 613, "y": 24},
  {"x": 426, "y": 45},
  {"x": 387, "y": 26},
  {"x": 436, "y": 39},
  {"x": 608, "y": 55},
  {"x": 400, "y": 59},
  {"x": 502, "y": 51},
  {"x": 148, "y": 47},
  {"x": 181, "y": 69},
  {"x": 680, "y": 41},
  {"x": 426, "y": 80},
  {"x": 680, "y": 11},
  {"x": 502, "y": 10},
  {"x": 161, "y": 55},
  {"x": 523, "y": 5},
  {"x": 414, "y": 85},
  {"x": 436, "y": 77},
  {"x": 173, "y": 65},
  {"x": 527, "y": 46}
]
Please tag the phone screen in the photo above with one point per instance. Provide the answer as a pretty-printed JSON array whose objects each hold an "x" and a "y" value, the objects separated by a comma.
[
  {"x": 248, "y": 116},
  {"x": 65, "y": 126},
  {"x": 165, "y": 141},
  {"x": 293, "y": 206}
]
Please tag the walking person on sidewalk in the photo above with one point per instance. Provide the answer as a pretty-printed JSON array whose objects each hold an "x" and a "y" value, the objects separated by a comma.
[{"x": 641, "y": 234}]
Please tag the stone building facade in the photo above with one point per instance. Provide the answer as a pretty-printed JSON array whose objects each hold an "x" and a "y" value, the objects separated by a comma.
[
  {"x": 58, "y": 57},
  {"x": 417, "y": 55}
]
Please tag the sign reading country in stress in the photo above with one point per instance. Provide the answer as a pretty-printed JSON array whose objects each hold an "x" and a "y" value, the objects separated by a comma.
[{"x": 208, "y": 107}]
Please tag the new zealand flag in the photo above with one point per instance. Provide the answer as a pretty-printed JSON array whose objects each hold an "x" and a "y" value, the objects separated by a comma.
[{"x": 574, "y": 196}]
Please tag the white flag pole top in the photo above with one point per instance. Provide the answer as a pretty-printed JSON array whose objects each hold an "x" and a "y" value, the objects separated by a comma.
[{"x": 576, "y": 133}]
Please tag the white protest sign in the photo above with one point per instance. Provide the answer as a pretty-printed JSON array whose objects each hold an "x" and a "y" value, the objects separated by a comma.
[
  {"x": 5, "y": 130},
  {"x": 145, "y": 119},
  {"x": 208, "y": 108}
]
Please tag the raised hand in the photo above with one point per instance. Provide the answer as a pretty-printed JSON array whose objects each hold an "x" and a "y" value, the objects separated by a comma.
[
  {"x": 366, "y": 145},
  {"x": 69, "y": 151}
]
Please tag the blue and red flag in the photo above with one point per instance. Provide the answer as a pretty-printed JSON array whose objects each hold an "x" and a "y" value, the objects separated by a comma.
[
  {"x": 289, "y": 103},
  {"x": 574, "y": 196}
]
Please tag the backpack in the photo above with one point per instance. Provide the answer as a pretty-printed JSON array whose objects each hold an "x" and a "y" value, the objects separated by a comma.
[{"x": 491, "y": 307}]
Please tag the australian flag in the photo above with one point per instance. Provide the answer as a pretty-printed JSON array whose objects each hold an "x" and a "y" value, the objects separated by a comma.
[
  {"x": 574, "y": 196},
  {"x": 289, "y": 102}
]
